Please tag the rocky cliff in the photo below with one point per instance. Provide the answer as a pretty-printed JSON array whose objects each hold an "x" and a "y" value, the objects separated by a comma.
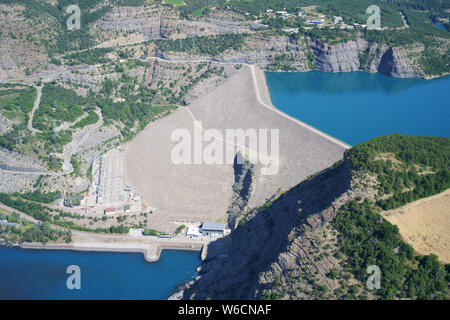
[
  {"x": 288, "y": 244},
  {"x": 396, "y": 63},
  {"x": 340, "y": 57},
  {"x": 156, "y": 22},
  {"x": 283, "y": 53},
  {"x": 360, "y": 54},
  {"x": 242, "y": 189}
]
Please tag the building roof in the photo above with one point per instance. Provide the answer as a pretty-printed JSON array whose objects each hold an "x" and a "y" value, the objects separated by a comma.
[
  {"x": 213, "y": 226},
  {"x": 135, "y": 232},
  {"x": 193, "y": 231}
]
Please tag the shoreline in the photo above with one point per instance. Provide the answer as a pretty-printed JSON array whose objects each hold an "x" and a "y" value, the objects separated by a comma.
[{"x": 261, "y": 86}]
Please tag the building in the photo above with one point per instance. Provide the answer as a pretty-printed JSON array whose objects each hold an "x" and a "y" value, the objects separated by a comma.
[
  {"x": 214, "y": 229},
  {"x": 193, "y": 232},
  {"x": 110, "y": 211},
  {"x": 108, "y": 177},
  {"x": 338, "y": 19},
  {"x": 136, "y": 232},
  {"x": 315, "y": 21}
]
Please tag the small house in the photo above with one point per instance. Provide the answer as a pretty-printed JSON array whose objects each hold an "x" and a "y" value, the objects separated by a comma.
[{"x": 110, "y": 211}]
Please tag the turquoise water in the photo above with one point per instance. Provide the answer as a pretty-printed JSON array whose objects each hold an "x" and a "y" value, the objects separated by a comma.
[
  {"x": 357, "y": 106},
  {"x": 39, "y": 274}
]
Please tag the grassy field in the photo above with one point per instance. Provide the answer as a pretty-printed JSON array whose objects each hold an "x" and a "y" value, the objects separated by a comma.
[
  {"x": 199, "y": 12},
  {"x": 175, "y": 3}
]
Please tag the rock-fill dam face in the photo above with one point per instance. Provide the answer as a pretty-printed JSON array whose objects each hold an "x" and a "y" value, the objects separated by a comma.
[{"x": 203, "y": 192}]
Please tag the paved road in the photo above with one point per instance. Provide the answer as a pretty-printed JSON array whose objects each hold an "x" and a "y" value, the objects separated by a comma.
[{"x": 149, "y": 245}]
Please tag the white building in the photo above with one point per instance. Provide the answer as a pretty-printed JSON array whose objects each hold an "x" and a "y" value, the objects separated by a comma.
[
  {"x": 109, "y": 178},
  {"x": 135, "y": 232},
  {"x": 214, "y": 229},
  {"x": 193, "y": 232},
  {"x": 315, "y": 21}
]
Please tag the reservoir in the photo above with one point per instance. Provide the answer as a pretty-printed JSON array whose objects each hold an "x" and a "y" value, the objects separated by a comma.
[
  {"x": 41, "y": 274},
  {"x": 357, "y": 106}
]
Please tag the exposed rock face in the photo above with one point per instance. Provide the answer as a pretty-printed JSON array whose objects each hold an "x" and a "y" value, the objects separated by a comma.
[
  {"x": 17, "y": 54},
  {"x": 395, "y": 63},
  {"x": 354, "y": 55},
  {"x": 341, "y": 57},
  {"x": 157, "y": 23},
  {"x": 242, "y": 189},
  {"x": 147, "y": 21},
  {"x": 13, "y": 160},
  {"x": 374, "y": 53},
  {"x": 375, "y": 57},
  {"x": 281, "y": 245}
]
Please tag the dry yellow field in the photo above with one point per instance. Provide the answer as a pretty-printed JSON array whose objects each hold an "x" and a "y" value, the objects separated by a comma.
[{"x": 425, "y": 224}]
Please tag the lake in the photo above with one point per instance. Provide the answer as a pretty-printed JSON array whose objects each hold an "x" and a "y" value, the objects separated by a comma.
[
  {"x": 41, "y": 274},
  {"x": 357, "y": 106}
]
